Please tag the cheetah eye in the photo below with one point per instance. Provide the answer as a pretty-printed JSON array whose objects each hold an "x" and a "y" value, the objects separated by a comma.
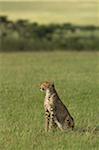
[{"x": 43, "y": 89}]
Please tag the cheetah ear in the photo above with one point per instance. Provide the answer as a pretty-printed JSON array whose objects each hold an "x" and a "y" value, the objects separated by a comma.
[{"x": 52, "y": 84}]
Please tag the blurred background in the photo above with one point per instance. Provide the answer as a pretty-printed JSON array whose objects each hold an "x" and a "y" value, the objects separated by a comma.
[{"x": 34, "y": 25}]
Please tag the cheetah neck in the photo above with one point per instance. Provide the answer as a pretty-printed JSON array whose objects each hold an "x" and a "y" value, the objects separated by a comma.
[{"x": 49, "y": 93}]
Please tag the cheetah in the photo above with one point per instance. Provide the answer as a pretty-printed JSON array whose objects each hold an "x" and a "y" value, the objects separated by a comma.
[{"x": 56, "y": 113}]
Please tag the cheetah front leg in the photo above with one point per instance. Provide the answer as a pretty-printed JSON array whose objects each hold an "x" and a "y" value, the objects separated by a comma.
[
  {"x": 47, "y": 119},
  {"x": 52, "y": 124}
]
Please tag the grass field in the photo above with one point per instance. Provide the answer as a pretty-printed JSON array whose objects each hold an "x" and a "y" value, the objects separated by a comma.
[
  {"x": 84, "y": 12},
  {"x": 76, "y": 76}
]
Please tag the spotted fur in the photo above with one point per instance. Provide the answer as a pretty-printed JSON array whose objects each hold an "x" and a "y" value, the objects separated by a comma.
[{"x": 56, "y": 113}]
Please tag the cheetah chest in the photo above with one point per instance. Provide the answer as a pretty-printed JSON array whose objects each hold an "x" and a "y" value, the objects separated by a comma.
[{"x": 47, "y": 104}]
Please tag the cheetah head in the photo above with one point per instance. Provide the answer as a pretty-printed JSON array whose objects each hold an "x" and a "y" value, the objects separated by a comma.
[{"x": 46, "y": 86}]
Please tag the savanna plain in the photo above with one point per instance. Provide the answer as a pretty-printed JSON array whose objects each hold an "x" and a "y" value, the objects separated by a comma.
[{"x": 76, "y": 77}]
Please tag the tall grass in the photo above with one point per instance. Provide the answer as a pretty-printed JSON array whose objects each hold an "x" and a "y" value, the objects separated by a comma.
[{"x": 76, "y": 76}]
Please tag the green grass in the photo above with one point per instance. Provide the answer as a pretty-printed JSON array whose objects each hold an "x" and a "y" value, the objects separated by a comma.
[
  {"x": 78, "y": 12},
  {"x": 76, "y": 76}
]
